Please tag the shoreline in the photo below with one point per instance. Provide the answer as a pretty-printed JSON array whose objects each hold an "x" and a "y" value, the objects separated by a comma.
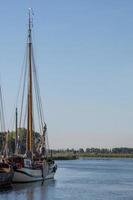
[{"x": 77, "y": 156}]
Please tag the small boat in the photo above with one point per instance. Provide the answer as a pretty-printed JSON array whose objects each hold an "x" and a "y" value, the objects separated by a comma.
[
  {"x": 6, "y": 170},
  {"x": 34, "y": 164},
  {"x": 6, "y": 174},
  {"x": 28, "y": 170}
]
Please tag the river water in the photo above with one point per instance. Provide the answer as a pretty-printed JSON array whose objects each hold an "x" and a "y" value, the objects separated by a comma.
[{"x": 83, "y": 179}]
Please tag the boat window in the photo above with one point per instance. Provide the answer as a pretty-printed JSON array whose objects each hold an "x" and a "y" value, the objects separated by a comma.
[{"x": 27, "y": 163}]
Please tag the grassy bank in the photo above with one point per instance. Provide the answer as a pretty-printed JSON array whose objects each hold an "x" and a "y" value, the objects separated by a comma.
[
  {"x": 64, "y": 156},
  {"x": 71, "y": 156},
  {"x": 109, "y": 155}
]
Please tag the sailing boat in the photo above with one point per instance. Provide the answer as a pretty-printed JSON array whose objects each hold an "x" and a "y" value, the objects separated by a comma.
[
  {"x": 34, "y": 165},
  {"x": 6, "y": 170}
]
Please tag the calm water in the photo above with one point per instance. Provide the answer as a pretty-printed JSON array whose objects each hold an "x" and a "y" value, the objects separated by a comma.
[{"x": 89, "y": 179}]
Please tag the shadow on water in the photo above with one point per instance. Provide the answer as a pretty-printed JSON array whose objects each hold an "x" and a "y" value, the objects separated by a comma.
[
  {"x": 34, "y": 185},
  {"x": 28, "y": 191},
  {"x": 33, "y": 191},
  {"x": 6, "y": 189}
]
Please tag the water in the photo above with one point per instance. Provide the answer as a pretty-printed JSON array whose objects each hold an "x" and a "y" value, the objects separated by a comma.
[{"x": 84, "y": 179}]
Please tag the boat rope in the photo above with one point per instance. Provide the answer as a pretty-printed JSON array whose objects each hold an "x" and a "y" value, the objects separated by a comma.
[{"x": 2, "y": 117}]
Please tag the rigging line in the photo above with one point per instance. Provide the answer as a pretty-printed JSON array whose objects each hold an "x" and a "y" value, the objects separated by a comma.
[
  {"x": 36, "y": 92},
  {"x": 23, "y": 91},
  {"x": 25, "y": 114},
  {"x": 33, "y": 114},
  {"x": 1, "y": 124},
  {"x": 19, "y": 89},
  {"x": 37, "y": 103},
  {"x": 39, "y": 112},
  {"x": 24, "y": 118},
  {"x": 4, "y": 136},
  {"x": 40, "y": 108},
  {"x": 47, "y": 140},
  {"x": 46, "y": 144},
  {"x": 37, "y": 106},
  {"x": 13, "y": 122},
  {"x": 33, "y": 122},
  {"x": 38, "y": 95},
  {"x": 21, "y": 75},
  {"x": 2, "y": 111}
]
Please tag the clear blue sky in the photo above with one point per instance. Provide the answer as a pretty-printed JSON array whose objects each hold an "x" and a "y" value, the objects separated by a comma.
[{"x": 84, "y": 56}]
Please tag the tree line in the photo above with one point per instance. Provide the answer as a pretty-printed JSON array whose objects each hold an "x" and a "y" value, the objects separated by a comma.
[
  {"x": 22, "y": 132},
  {"x": 36, "y": 135},
  {"x": 92, "y": 150}
]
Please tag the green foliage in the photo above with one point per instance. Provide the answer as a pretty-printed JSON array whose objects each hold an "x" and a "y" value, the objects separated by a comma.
[
  {"x": 21, "y": 140},
  {"x": 0, "y": 142}
]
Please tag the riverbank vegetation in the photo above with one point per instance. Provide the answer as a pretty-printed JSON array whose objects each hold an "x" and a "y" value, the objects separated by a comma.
[
  {"x": 65, "y": 154},
  {"x": 119, "y": 152}
]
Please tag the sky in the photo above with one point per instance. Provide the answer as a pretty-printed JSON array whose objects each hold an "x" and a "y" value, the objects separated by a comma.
[{"x": 84, "y": 58}]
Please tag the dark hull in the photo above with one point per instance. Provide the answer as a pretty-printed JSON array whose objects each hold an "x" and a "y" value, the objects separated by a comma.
[{"x": 6, "y": 178}]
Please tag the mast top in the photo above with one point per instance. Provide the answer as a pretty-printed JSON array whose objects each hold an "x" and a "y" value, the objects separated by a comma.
[{"x": 30, "y": 23}]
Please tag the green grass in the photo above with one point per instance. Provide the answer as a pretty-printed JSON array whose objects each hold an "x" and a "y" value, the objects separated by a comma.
[
  {"x": 109, "y": 155},
  {"x": 71, "y": 156}
]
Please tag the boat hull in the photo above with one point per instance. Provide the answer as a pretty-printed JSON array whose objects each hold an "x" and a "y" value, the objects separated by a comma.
[
  {"x": 6, "y": 179},
  {"x": 26, "y": 175},
  {"x": 6, "y": 174}
]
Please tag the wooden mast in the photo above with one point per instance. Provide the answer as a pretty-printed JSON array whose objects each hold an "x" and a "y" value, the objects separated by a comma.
[
  {"x": 16, "y": 136},
  {"x": 29, "y": 125},
  {"x": 4, "y": 133}
]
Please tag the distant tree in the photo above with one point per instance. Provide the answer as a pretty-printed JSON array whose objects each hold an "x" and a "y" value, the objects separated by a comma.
[
  {"x": 87, "y": 150},
  {"x": 81, "y": 150}
]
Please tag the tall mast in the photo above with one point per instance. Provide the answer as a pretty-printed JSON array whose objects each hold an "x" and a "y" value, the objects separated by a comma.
[
  {"x": 2, "y": 124},
  {"x": 29, "y": 125},
  {"x": 16, "y": 136}
]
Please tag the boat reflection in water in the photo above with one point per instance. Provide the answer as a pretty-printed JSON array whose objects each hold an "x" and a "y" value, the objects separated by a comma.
[
  {"x": 6, "y": 170},
  {"x": 34, "y": 190},
  {"x": 6, "y": 174}
]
